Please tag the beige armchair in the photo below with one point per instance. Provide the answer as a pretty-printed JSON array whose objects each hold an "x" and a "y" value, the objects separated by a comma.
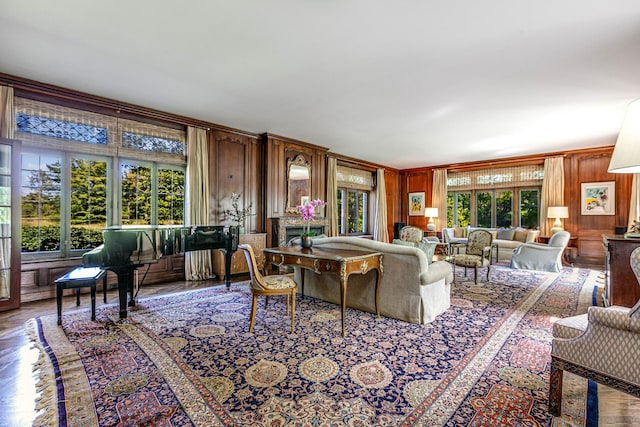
[
  {"x": 602, "y": 345},
  {"x": 537, "y": 256}
]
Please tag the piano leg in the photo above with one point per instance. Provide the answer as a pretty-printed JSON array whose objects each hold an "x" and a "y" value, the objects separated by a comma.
[
  {"x": 125, "y": 284},
  {"x": 227, "y": 268}
]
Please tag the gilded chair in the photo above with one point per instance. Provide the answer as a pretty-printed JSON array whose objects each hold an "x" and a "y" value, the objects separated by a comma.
[
  {"x": 602, "y": 345},
  {"x": 477, "y": 254},
  {"x": 538, "y": 256},
  {"x": 267, "y": 286}
]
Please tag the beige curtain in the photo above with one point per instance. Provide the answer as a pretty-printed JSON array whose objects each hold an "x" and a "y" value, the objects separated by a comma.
[
  {"x": 6, "y": 131},
  {"x": 634, "y": 202},
  {"x": 439, "y": 197},
  {"x": 198, "y": 264},
  {"x": 552, "y": 191},
  {"x": 332, "y": 197},
  {"x": 380, "y": 231}
]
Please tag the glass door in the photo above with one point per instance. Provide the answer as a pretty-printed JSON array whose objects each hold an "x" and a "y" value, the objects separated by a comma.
[{"x": 9, "y": 225}]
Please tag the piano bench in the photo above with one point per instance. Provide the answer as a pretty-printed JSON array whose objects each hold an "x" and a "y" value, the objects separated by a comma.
[{"x": 80, "y": 277}]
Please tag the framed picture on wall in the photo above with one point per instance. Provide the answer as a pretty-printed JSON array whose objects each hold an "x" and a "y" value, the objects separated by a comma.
[
  {"x": 416, "y": 204},
  {"x": 598, "y": 198}
]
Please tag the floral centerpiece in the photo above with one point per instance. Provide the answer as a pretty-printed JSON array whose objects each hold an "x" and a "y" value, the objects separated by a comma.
[{"x": 308, "y": 211}]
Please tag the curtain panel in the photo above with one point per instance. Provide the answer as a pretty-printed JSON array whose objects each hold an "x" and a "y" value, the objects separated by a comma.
[
  {"x": 380, "y": 231},
  {"x": 439, "y": 197},
  {"x": 198, "y": 264},
  {"x": 552, "y": 191}
]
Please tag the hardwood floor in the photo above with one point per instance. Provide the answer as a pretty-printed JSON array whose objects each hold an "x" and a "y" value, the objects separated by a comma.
[{"x": 17, "y": 357}]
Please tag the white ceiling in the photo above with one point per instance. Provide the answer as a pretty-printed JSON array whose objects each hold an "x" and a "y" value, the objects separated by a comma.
[{"x": 399, "y": 83}]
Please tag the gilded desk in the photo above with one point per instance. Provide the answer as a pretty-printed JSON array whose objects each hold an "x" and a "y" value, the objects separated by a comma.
[{"x": 326, "y": 260}]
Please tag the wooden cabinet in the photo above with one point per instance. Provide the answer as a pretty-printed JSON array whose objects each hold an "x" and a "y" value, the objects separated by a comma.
[
  {"x": 621, "y": 285},
  {"x": 258, "y": 242}
]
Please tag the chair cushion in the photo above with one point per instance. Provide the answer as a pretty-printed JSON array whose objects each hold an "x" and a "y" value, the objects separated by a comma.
[
  {"x": 570, "y": 327},
  {"x": 465, "y": 260},
  {"x": 278, "y": 281}
]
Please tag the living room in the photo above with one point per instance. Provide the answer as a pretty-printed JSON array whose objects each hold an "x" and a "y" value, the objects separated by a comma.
[{"x": 253, "y": 157}]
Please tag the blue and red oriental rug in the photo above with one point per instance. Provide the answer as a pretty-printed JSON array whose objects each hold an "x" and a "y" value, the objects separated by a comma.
[{"x": 188, "y": 359}]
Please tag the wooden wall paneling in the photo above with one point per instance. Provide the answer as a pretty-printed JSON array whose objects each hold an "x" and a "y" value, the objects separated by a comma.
[
  {"x": 591, "y": 166},
  {"x": 278, "y": 150},
  {"x": 254, "y": 183},
  {"x": 394, "y": 199},
  {"x": 417, "y": 182}
]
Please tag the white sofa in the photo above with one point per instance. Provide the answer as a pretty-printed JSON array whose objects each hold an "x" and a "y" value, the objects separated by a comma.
[
  {"x": 507, "y": 240},
  {"x": 412, "y": 289}
]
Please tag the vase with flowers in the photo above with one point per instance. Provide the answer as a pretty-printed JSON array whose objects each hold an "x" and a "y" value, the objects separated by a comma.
[
  {"x": 238, "y": 214},
  {"x": 308, "y": 211}
]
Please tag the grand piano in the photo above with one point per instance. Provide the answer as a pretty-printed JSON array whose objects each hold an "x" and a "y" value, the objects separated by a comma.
[{"x": 126, "y": 248}]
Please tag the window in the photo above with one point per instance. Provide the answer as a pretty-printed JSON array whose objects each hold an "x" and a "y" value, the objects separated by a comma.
[
  {"x": 354, "y": 190},
  {"x": 501, "y": 197},
  {"x": 68, "y": 176},
  {"x": 353, "y": 206},
  {"x": 458, "y": 209}
]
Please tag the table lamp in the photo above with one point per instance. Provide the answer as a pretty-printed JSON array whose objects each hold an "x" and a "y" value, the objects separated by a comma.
[
  {"x": 626, "y": 159},
  {"x": 431, "y": 213},
  {"x": 557, "y": 212}
]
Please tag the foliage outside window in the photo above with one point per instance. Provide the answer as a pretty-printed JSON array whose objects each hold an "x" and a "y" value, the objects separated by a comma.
[
  {"x": 68, "y": 181},
  {"x": 353, "y": 209},
  {"x": 500, "y": 197}
]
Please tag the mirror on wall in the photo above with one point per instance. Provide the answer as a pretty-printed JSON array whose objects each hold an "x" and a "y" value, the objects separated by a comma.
[{"x": 298, "y": 183}]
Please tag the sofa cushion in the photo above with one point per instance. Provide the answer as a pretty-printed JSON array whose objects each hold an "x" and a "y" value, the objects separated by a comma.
[
  {"x": 505, "y": 234},
  {"x": 460, "y": 232},
  {"x": 520, "y": 234},
  {"x": 429, "y": 248}
]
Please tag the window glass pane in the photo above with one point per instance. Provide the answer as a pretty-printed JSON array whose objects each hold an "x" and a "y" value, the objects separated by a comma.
[
  {"x": 463, "y": 209},
  {"x": 60, "y": 129},
  {"x": 504, "y": 209},
  {"x": 152, "y": 143},
  {"x": 356, "y": 212},
  {"x": 483, "y": 209},
  {"x": 40, "y": 199},
  {"x": 88, "y": 202},
  {"x": 170, "y": 197},
  {"x": 529, "y": 208},
  {"x": 136, "y": 194}
]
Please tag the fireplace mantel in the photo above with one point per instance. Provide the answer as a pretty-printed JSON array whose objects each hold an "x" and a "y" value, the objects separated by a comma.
[{"x": 287, "y": 227}]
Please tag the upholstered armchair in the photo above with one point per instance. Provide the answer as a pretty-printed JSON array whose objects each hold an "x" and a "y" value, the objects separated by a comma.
[
  {"x": 538, "y": 256},
  {"x": 602, "y": 345},
  {"x": 477, "y": 253},
  {"x": 414, "y": 236}
]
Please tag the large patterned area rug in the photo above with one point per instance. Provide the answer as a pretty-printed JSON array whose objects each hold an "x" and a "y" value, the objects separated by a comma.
[{"x": 188, "y": 359}]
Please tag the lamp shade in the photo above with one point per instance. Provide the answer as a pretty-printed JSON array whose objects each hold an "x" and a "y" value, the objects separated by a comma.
[
  {"x": 626, "y": 153},
  {"x": 431, "y": 212},
  {"x": 558, "y": 212}
]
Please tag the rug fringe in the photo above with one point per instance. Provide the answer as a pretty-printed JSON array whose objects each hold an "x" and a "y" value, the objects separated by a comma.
[{"x": 46, "y": 404}]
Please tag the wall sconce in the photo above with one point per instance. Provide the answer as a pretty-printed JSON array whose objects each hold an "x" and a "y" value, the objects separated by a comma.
[
  {"x": 557, "y": 212},
  {"x": 431, "y": 213}
]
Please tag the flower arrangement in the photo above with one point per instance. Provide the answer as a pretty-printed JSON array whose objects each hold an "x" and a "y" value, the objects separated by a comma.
[
  {"x": 308, "y": 210},
  {"x": 237, "y": 214}
]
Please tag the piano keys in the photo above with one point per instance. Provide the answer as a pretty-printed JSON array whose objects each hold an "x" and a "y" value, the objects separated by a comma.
[{"x": 126, "y": 248}]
